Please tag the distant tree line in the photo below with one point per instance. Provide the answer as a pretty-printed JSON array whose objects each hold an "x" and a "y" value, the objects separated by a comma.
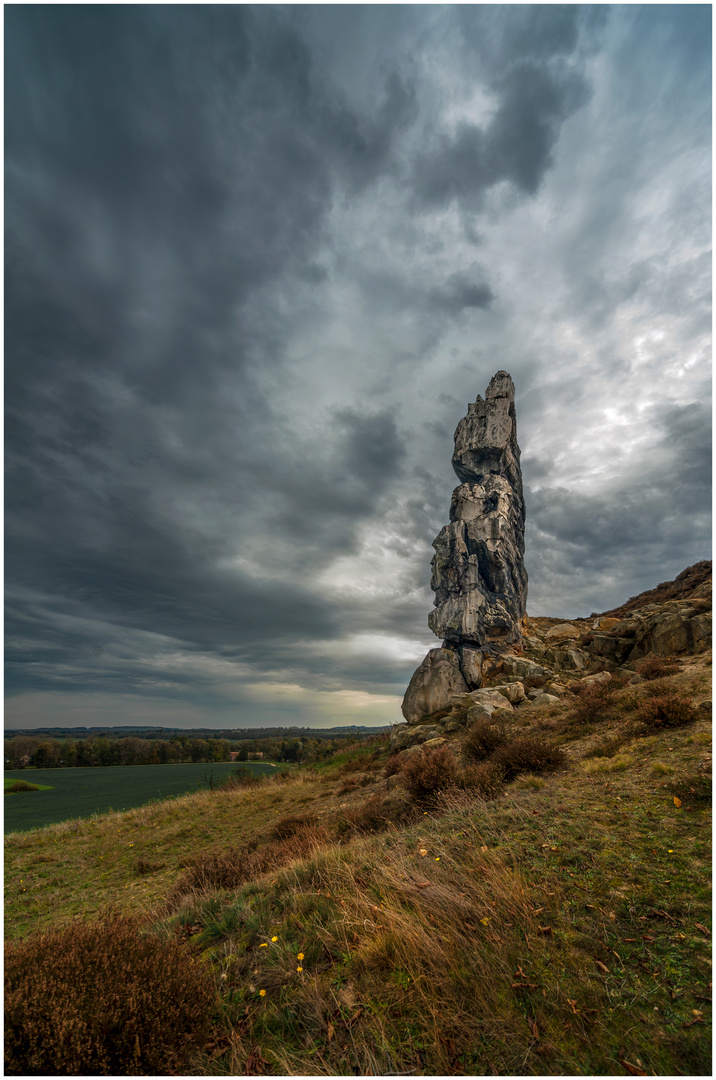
[{"x": 30, "y": 751}]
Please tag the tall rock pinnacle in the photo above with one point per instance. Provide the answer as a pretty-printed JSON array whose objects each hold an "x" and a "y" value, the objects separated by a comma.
[{"x": 478, "y": 572}]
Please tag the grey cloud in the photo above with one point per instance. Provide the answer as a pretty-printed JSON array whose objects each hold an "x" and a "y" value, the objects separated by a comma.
[
  {"x": 460, "y": 292},
  {"x": 516, "y": 145}
]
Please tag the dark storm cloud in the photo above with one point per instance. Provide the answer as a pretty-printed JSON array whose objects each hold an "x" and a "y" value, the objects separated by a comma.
[
  {"x": 515, "y": 145},
  {"x": 459, "y": 292},
  {"x": 164, "y": 167}
]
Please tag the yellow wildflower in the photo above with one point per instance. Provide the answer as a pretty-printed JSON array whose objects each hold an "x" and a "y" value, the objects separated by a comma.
[
  {"x": 274, "y": 939},
  {"x": 300, "y": 956},
  {"x": 262, "y": 993},
  {"x": 299, "y": 969},
  {"x": 263, "y": 945}
]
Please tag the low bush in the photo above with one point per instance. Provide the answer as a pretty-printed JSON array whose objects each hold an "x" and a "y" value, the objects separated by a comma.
[
  {"x": 666, "y": 710},
  {"x": 243, "y": 778},
  {"x": 482, "y": 738},
  {"x": 425, "y": 774},
  {"x": 103, "y": 998},
  {"x": 656, "y": 667},
  {"x": 20, "y": 785},
  {"x": 485, "y": 779},
  {"x": 393, "y": 765},
  {"x": 529, "y": 754},
  {"x": 594, "y": 701}
]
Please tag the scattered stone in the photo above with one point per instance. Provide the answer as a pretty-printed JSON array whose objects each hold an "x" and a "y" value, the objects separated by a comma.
[
  {"x": 605, "y": 623},
  {"x": 705, "y": 706},
  {"x": 479, "y": 712},
  {"x": 504, "y": 712},
  {"x": 546, "y": 699},
  {"x": 522, "y": 667},
  {"x": 489, "y": 696},
  {"x": 598, "y": 677},
  {"x": 514, "y": 692},
  {"x": 563, "y": 632}
]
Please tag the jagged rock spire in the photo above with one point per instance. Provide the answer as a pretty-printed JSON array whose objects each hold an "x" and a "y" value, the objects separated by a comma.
[{"x": 478, "y": 572}]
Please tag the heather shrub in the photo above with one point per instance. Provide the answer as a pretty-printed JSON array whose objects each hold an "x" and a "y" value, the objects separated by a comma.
[
  {"x": 595, "y": 700},
  {"x": 482, "y": 738},
  {"x": 103, "y": 998},
  {"x": 425, "y": 774},
  {"x": 393, "y": 765},
  {"x": 665, "y": 710},
  {"x": 529, "y": 754},
  {"x": 656, "y": 667},
  {"x": 486, "y": 779}
]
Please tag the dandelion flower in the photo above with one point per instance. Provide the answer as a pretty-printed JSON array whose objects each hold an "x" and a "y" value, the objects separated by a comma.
[
  {"x": 438, "y": 859},
  {"x": 262, "y": 993},
  {"x": 274, "y": 939},
  {"x": 263, "y": 945},
  {"x": 299, "y": 969}
]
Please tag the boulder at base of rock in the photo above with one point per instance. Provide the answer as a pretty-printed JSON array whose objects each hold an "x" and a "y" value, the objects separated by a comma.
[
  {"x": 471, "y": 667},
  {"x": 479, "y": 712},
  {"x": 490, "y": 696},
  {"x": 435, "y": 682}
]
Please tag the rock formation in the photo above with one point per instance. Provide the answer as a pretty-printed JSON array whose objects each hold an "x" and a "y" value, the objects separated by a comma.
[{"x": 478, "y": 573}]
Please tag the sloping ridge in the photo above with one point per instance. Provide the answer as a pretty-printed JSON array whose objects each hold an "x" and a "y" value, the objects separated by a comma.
[{"x": 694, "y": 581}]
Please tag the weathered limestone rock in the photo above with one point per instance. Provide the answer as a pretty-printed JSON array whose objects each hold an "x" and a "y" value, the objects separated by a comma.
[
  {"x": 478, "y": 572},
  {"x": 479, "y": 578},
  {"x": 434, "y": 683}
]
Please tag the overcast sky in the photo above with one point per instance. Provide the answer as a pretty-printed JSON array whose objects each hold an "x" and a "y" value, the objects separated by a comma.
[{"x": 259, "y": 260}]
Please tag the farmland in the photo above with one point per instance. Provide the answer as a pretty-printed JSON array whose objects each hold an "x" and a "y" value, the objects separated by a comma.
[{"x": 82, "y": 793}]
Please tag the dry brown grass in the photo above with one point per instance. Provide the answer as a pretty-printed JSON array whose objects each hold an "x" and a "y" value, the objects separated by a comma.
[{"x": 229, "y": 868}]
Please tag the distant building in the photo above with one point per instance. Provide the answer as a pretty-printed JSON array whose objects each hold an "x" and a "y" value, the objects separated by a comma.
[{"x": 256, "y": 755}]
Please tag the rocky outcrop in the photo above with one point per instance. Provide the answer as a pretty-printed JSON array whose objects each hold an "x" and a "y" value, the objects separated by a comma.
[
  {"x": 433, "y": 684},
  {"x": 556, "y": 654},
  {"x": 478, "y": 572}
]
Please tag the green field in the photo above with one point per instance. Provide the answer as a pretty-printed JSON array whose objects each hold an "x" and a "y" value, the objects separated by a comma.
[{"x": 82, "y": 793}]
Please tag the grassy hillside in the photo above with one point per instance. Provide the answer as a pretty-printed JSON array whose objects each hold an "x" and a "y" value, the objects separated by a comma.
[{"x": 560, "y": 927}]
